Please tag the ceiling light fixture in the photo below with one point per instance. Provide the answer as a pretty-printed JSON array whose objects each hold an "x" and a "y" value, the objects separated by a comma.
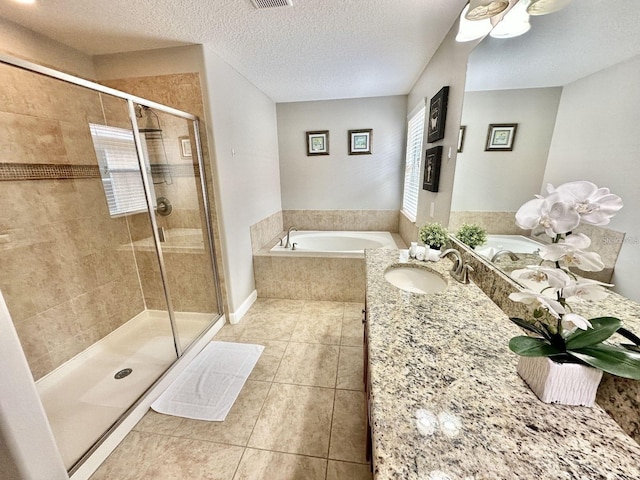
[
  {"x": 542, "y": 7},
  {"x": 472, "y": 30},
  {"x": 481, "y": 9},
  {"x": 25, "y": 2},
  {"x": 514, "y": 23}
]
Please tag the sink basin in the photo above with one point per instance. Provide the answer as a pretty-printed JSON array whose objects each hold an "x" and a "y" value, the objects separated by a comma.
[{"x": 415, "y": 279}]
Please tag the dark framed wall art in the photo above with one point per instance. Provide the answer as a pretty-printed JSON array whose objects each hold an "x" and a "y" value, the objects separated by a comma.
[
  {"x": 318, "y": 143},
  {"x": 437, "y": 115},
  {"x": 500, "y": 137},
  {"x": 463, "y": 130},
  {"x": 360, "y": 141},
  {"x": 432, "y": 162}
]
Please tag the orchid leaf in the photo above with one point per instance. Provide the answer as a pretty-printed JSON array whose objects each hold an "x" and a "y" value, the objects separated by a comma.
[
  {"x": 529, "y": 327},
  {"x": 611, "y": 359},
  {"x": 603, "y": 328},
  {"x": 629, "y": 335},
  {"x": 532, "y": 347}
]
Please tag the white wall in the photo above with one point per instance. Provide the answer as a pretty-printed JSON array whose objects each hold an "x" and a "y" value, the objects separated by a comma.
[
  {"x": 448, "y": 66},
  {"x": 596, "y": 138},
  {"x": 340, "y": 181},
  {"x": 244, "y": 130},
  {"x": 20, "y": 42},
  {"x": 502, "y": 181}
]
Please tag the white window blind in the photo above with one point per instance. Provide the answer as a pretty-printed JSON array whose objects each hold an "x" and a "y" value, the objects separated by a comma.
[
  {"x": 415, "y": 133},
  {"x": 119, "y": 168}
]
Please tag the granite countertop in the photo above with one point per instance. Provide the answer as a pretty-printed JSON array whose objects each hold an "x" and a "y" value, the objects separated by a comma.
[{"x": 446, "y": 401}]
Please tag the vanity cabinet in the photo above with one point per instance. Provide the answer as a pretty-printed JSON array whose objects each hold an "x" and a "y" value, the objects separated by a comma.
[{"x": 367, "y": 384}]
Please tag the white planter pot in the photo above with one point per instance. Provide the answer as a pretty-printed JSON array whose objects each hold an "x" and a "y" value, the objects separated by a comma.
[{"x": 564, "y": 383}]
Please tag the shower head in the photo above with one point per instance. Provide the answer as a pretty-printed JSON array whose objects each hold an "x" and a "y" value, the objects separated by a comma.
[{"x": 149, "y": 125}]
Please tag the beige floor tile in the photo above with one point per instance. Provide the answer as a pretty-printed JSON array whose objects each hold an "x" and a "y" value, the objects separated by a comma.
[
  {"x": 295, "y": 419},
  {"x": 265, "y": 368},
  {"x": 309, "y": 364},
  {"x": 276, "y": 305},
  {"x": 348, "y": 437},
  {"x": 269, "y": 328},
  {"x": 229, "y": 332},
  {"x": 352, "y": 331},
  {"x": 348, "y": 471},
  {"x": 325, "y": 329},
  {"x": 272, "y": 348},
  {"x": 185, "y": 458},
  {"x": 264, "y": 465},
  {"x": 353, "y": 310},
  {"x": 315, "y": 307},
  {"x": 239, "y": 423},
  {"x": 350, "y": 369},
  {"x": 130, "y": 460},
  {"x": 159, "y": 423}
]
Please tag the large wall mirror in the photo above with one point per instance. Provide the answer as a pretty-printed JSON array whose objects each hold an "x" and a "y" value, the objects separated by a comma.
[{"x": 571, "y": 88}]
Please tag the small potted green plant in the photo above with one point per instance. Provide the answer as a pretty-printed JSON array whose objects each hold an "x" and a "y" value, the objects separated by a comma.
[
  {"x": 472, "y": 235},
  {"x": 433, "y": 235}
]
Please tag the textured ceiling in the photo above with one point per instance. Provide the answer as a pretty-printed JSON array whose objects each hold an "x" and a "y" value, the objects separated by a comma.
[
  {"x": 560, "y": 48},
  {"x": 316, "y": 49}
]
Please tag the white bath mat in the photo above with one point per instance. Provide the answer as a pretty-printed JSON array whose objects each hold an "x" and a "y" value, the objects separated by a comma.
[{"x": 208, "y": 387}]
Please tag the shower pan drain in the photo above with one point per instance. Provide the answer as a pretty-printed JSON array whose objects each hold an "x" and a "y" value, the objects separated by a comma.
[{"x": 122, "y": 373}]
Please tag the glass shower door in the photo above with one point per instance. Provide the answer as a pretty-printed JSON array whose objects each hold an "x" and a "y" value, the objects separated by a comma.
[
  {"x": 68, "y": 269},
  {"x": 171, "y": 153}
]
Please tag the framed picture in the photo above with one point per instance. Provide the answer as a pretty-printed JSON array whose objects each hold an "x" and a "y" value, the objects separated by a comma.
[
  {"x": 463, "y": 129},
  {"x": 500, "y": 137},
  {"x": 432, "y": 169},
  {"x": 437, "y": 115},
  {"x": 360, "y": 142},
  {"x": 185, "y": 147},
  {"x": 318, "y": 143}
]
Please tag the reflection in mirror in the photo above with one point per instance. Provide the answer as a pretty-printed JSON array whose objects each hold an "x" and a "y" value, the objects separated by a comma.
[{"x": 570, "y": 85}]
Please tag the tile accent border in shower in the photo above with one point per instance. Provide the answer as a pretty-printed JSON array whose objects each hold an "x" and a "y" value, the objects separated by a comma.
[{"x": 50, "y": 171}]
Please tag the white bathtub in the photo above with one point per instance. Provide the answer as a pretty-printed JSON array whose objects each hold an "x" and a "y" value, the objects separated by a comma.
[
  {"x": 330, "y": 242},
  {"x": 513, "y": 243}
]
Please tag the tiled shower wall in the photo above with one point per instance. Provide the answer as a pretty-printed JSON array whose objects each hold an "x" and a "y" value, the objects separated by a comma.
[{"x": 67, "y": 272}]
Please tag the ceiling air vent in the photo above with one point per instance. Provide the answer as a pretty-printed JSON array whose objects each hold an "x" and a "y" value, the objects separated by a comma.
[{"x": 271, "y": 3}]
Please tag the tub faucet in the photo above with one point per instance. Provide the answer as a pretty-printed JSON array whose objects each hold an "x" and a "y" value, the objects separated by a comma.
[
  {"x": 291, "y": 229},
  {"x": 459, "y": 271},
  {"x": 501, "y": 253}
]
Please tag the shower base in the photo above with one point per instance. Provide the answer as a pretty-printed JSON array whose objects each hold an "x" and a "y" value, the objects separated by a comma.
[{"x": 82, "y": 397}]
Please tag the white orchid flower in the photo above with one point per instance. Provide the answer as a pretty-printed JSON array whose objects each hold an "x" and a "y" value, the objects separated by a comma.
[
  {"x": 538, "y": 300},
  {"x": 556, "y": 278},
  {"x": 595, "y": 205},
  {"x": 571, "y": 321},
  {"x": 556, "y": 213},
  {"x": 570, "y": 251},
  {"x": 586, "y": 289}
]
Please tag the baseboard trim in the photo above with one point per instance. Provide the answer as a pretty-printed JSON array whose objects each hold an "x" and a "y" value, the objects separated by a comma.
[{"x": 236, "y": 316}]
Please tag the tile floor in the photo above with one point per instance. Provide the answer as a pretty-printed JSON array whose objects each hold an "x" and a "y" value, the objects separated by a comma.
[{"x": 300, "y": 415}]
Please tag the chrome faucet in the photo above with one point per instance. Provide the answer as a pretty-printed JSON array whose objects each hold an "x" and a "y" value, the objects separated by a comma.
[
  {"x": 459, "y": 271},
  {"x": 501, "y": 253},
  {"x": 291, "y": 229}
]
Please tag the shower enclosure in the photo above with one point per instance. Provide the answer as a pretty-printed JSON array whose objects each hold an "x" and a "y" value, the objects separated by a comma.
[{"x": 106, "y": 251}]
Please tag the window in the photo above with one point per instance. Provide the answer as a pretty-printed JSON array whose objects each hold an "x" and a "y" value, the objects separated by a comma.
[
  {"x": 415, "y": 133},
  {"x": 119, "y": 168}
]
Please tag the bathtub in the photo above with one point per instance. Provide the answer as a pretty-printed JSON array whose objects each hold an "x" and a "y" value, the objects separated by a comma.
[
  {"x": 513, "y": 243},
  {"x": 326, "y": 265},
  {"x": 332, "y": 243}
]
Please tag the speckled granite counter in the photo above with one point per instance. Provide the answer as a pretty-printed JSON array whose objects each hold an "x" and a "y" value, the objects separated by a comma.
[{"x": 446, "y": 402}]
